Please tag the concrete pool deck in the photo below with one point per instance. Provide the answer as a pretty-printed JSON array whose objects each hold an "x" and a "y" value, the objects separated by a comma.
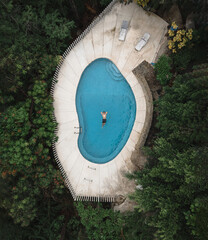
[{"x": 86, "y": 180}]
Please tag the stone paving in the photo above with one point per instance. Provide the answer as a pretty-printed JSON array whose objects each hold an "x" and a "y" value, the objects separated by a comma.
[{"x": 104, "y": 182}]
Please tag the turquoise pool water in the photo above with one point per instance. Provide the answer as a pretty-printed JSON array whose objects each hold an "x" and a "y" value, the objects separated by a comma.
[{"x": 103, "y": 88}]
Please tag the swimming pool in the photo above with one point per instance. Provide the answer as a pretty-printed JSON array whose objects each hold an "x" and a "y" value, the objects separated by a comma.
[{"x": 103, "y": 88}]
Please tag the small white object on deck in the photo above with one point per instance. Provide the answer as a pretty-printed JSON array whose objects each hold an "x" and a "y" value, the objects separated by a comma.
[
  {"x": 123, "y": 32},
  {"x": 142, "y": 42}
]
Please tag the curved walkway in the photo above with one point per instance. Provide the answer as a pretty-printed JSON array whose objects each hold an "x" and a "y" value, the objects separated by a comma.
[{"x": 86, "y": 180}]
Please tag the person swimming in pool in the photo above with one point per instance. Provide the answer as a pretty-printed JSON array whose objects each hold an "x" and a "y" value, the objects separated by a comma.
[{"x": 104, "y": 115}]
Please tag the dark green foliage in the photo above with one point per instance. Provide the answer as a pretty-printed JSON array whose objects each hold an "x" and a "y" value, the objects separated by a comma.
[
  {"x": 48, "y": 223},
  {"x": 103, "y": 223},
  {"x": 182, "y": 59},
  {"x": 75, "y": 230},
  {"x": 135, "y": 227},
  {"x": 163, "y": 67},
  {"x": 9, "y": 230},
  {"x": 201, "y": 66},
  {"x": 100, "y": 223},
  {"x": 33, "y": 35},
  {"x": 161, "y": 5},
  {"x": 194, "y": 51},
  {"x": 197, "y": 217},
  {"x": 104, "y": 2},
  {"x": 183, "y": 110},
  {"x": 175, "y": 187}
]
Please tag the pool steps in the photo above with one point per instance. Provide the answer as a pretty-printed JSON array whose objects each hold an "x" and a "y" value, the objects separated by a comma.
[
  {"x": 100, "y": 39},
  {"x": 114, "y": 72}
]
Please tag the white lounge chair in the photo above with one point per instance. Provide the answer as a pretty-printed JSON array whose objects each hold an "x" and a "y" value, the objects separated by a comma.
[
  {"x": 123, "y": 31},
  {"x": 142, "y": 42}
]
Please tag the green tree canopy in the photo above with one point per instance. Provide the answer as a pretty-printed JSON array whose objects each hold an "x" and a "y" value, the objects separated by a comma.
[{"x": 175, "y": 187}]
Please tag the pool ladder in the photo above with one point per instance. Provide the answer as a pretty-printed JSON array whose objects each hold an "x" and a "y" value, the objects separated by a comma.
[{"x": 79, "y": 130}]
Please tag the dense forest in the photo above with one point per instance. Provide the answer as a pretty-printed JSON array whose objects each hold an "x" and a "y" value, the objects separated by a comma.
[{"x": 34, "y": 201}]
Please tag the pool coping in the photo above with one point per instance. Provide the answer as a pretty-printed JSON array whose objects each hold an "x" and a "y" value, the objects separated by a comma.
[{"x": 149, "y": 115}]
